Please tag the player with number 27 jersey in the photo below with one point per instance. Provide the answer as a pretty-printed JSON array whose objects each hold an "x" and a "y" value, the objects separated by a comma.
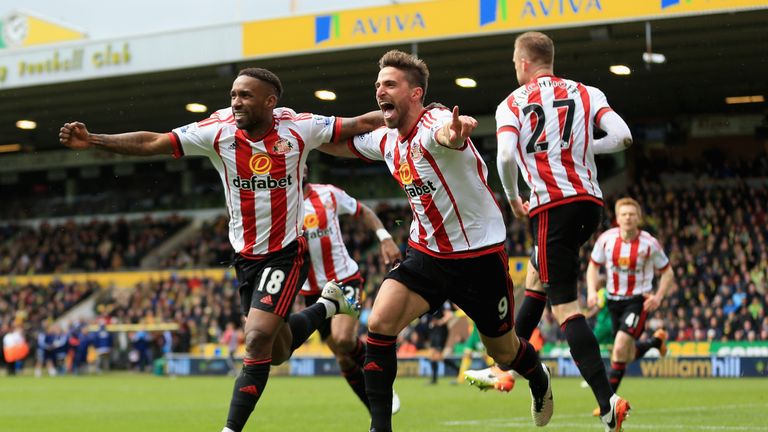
[{"x": 556, "y": 117}]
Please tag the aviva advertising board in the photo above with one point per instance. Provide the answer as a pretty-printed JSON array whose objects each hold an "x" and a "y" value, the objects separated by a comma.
[{"x": 444, "y": 19}]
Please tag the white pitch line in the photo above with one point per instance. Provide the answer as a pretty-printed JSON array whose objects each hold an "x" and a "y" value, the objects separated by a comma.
[
  {"x": 525, "y": 421},
  {"x": 572, "y": 426},
  {"x": 704, "y": 408}
]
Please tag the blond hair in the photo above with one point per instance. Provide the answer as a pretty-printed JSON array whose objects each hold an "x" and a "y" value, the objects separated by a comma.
[
  {"x": 627, "y": 201},
  {"x": 538, "y": 47}
]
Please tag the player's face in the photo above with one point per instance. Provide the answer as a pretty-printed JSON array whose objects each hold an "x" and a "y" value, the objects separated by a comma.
[
  {"x": 628, "y": 218},
  {"x": 252, "y": 103},
  {"x": 395, "y": 96}
]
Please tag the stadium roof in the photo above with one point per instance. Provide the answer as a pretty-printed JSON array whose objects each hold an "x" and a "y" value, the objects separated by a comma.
[{"x": 708, "y": 58}]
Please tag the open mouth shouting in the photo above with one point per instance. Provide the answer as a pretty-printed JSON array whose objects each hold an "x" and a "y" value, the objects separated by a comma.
[{"x": 387, "y": 108}]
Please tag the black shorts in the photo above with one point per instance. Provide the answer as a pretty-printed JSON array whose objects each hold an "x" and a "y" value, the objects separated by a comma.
[
  {"x": 271, "y": 284},
  {"x": 558, "y": 234},
  {"x": 352, "y": 287},
  {"x": 480, "y": 286},
  {"x": 438, "y": 337},
  {"x": 628, "y": 315}
]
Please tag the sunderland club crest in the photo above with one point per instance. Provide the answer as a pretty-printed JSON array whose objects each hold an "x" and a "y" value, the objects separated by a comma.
[
  {"x": 282, "y": 146},
  {"x": 416, "y": 152}
]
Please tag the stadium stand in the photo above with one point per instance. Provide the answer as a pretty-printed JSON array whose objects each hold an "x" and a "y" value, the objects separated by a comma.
[
  {"x": 37, "y": 303},
  {"x": 70, "y": 246}
]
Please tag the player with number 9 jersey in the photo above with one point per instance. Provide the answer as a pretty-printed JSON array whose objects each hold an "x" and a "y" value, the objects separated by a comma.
[{"x": 456, "y": 245}]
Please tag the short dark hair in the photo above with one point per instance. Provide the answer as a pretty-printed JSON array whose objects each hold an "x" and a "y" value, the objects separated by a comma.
[
  {"x": 415, "y": 69},
  {"x": 266, "y": 76},
  {"x": 538, "y": 47}
]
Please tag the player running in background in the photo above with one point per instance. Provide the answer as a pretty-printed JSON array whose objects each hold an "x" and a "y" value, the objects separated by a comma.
[
  {"x": 630, "y": 256},
  {"x": 44, "y": 354},
  {"x": 330, "y": 261},
  {"x": 259, "y": 151},
  {"x": 438, "y": 324},
  {"x": 545, "y": 128},
  {"x": 473, "y": 345},
  {"x": 456, "y": 245}
]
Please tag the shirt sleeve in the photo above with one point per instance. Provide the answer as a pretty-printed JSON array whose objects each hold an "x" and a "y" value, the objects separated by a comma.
[
  {"x": 658, "y": 257},
  {"x": 599, "y": 103},
  {"x": 506, "y": 138},
  {"x": 598, "y": 252},
  {"x": 435, "y": 119},
  {"x": 196, "y": 138},
  {"x": 345, "y": 204},
  {"x": 507, "y": 117},
  {"x": 317, "y": 129},
  {"x": 618, "y": 136},
  {"x": 369, "y": 146}
]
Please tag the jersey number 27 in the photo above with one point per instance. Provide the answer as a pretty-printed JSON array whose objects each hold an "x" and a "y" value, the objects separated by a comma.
[{"x": 533, "y": 145}]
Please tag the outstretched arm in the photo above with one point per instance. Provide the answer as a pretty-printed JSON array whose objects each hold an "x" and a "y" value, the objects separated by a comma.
[
  {"x": 360, "y": 124},
  {"x": 454, "y": 133},
  {"x": 338, "y": 149},
  {"x": 389, "y": 250},
  {"x": 349, "y": 128},
  {"x": 76, "y": 136}
]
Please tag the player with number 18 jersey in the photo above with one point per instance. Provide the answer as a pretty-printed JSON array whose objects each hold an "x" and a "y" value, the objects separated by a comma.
[{"x": 261, "y": 175}]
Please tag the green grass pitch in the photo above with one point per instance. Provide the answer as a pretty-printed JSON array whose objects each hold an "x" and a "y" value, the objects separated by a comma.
[{"x": 132, "y": 402}]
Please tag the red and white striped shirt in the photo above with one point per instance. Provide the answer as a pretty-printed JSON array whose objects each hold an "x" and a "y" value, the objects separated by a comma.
[
  {"x": 629, "y": 265},
  {"x": 553, "y": 119},
  {"x": 330, "y": 260},
  {"x": 262, "y": 176},
  {"x": 454, "y": 211}
]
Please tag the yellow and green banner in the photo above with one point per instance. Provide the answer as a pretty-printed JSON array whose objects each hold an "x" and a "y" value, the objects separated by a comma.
[
  {"x": 444, "y": 19},
  {"x": 23, "y": 29}
]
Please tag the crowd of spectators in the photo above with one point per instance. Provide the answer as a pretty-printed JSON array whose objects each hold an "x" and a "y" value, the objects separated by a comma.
[
  {"x": 97, "y": 245},
  {"x": 30, "y": 306},
  {"x": 36, "y": 303},
  {"x": 209, "y": 248},
  {"x": 712, "y": 220},
  {"x": 715, "y": 236},
  {"x": 200, "y": 306}
]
